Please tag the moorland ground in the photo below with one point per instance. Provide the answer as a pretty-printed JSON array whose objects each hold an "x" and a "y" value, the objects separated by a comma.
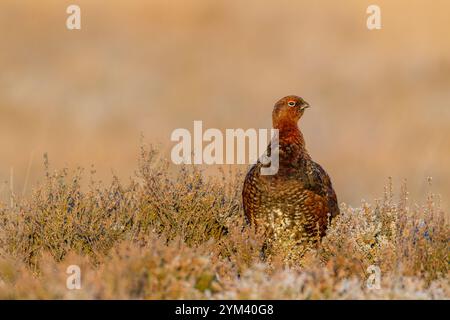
[{"x": 174, "y": 233}]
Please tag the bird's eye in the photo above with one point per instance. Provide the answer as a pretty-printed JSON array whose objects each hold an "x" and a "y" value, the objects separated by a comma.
[{"x": 291, "y": 103}]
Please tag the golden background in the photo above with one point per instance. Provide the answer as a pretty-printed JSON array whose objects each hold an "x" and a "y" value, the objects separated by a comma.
[{"x": 380, "y": 99}]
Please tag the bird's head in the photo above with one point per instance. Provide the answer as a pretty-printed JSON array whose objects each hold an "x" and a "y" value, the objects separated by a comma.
[{"x": 287, "y": 111}]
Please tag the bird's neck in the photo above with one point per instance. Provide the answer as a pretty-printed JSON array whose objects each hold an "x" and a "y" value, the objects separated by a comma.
[{"x": 291, "y": 139}]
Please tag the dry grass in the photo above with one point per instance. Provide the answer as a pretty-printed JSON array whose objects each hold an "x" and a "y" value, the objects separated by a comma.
[{"x": 173, "y": 234}]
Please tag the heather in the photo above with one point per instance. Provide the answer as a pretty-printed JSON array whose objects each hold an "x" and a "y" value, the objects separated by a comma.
[{"x": 175, "y": 232}]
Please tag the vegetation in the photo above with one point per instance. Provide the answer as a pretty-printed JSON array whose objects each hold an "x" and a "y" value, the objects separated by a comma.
[{"x": 173, "y": 233}]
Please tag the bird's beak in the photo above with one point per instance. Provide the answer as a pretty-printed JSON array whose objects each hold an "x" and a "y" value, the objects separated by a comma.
[{"x": 304, "y": 106}]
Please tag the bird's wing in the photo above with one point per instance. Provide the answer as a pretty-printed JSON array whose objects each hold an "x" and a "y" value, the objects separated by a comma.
[
  {"x": 251, "y": 193},
  {"x": 318, "y": 181}
]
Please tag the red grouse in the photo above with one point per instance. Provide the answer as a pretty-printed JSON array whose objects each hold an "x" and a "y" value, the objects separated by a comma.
[{"x": 295, "y": 205}]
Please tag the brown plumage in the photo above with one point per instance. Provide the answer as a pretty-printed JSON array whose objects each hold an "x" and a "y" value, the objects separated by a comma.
[{"x": 296, "y": 204}]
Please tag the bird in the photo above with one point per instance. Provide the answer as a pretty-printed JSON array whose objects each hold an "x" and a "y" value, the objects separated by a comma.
[{"x": 296, "y": 204}]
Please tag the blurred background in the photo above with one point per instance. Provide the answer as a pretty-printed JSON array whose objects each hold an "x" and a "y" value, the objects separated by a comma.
[{"x": 380, "y": 99}]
